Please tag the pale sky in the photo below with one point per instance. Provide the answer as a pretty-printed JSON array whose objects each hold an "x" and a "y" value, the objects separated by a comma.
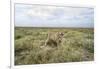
[{"x": 53, "y": 16}]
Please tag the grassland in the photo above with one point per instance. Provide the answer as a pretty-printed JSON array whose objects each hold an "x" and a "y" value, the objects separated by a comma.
[{"x": 77, "y": 45}]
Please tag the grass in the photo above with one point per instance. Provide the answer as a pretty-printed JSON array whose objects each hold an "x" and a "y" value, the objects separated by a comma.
[{"x": 77, "y": 45}]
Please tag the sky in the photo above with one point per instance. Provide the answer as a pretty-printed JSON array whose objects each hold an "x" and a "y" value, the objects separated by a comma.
[{"x": 53, "y": 16}]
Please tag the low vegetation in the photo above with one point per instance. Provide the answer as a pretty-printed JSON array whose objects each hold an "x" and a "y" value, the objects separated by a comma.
[{"x": 77, "y": 45}]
